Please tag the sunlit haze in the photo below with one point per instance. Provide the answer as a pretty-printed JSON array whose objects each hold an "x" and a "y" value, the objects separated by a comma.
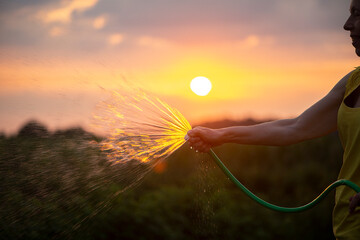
[{"x": 60, "y": 58}]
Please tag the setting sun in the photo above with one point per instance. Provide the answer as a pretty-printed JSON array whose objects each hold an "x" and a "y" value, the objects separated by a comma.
[{"x": 200, "y": 86}]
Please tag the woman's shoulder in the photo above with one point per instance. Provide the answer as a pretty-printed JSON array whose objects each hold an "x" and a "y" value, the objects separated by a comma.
[
  {"x": 352, "y": 79},
  {"x": 341, "y": 87},
  {"x": 345, "y": 80}
]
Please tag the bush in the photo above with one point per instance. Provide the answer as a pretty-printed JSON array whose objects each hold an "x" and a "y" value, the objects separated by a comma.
[{"x": 33, "y": 129}]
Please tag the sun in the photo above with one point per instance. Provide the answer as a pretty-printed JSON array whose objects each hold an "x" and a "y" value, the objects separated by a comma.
[{"x": 200, "y": 86}]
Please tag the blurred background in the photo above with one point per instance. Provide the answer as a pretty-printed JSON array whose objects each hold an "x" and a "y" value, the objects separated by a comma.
[
  {"x": 59, "y": 185},
  {"x": 60, "y": 58}
]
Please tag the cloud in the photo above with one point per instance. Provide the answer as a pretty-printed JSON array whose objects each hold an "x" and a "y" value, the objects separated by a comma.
[
  {"x": 115, "y": 39},
  {"x": 64, "y": 13},
  {"x": 99, "y": 22},
  {"x": 184, "y": 23}
]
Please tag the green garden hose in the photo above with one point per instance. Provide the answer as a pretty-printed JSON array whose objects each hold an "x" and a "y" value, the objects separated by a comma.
[{"x": 305, "y": 207}]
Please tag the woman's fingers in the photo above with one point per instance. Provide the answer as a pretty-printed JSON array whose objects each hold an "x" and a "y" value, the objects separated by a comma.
[
  {"x": 194, "y": 137},
  {"x": 202, "y": 148},
  {"x": 199, "y": 145},
  {"x": 193, "y": 132}
]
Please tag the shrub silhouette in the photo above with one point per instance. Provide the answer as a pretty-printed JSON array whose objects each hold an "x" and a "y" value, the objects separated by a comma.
[{"x": 33, "y": 129}]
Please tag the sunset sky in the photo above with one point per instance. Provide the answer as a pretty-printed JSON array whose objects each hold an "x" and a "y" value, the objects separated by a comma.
[{"x": 265, "y": 58}]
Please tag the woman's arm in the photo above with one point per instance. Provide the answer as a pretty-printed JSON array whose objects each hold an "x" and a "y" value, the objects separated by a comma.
[{"x": 318, "y": 120}]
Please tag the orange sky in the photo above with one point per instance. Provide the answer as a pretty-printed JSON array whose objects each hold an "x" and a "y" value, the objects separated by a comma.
[{"x": 58, "y": 56}]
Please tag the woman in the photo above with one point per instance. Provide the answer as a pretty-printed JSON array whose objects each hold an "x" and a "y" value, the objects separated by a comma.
[{"x": 338, "y": 110}]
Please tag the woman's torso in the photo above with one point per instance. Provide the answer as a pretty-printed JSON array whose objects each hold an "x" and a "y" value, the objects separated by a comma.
[{"x": 347, "y": 226}]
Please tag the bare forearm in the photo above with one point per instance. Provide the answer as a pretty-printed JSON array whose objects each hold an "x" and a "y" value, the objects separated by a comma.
[{"x": 275, "y": 133}]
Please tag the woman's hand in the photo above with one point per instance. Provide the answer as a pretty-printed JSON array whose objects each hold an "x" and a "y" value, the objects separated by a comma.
[
  {"x": 202, "y": 139},
  {"x": 354, "y": 202}
]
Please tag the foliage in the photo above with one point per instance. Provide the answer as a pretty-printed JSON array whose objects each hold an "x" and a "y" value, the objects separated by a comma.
[
  {"x": 33, "y": 129},
  {"x": 62, "y": 187}
]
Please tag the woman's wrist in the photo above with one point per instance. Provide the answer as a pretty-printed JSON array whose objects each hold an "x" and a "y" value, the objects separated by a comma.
[{"x": 226, "y": 135}]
